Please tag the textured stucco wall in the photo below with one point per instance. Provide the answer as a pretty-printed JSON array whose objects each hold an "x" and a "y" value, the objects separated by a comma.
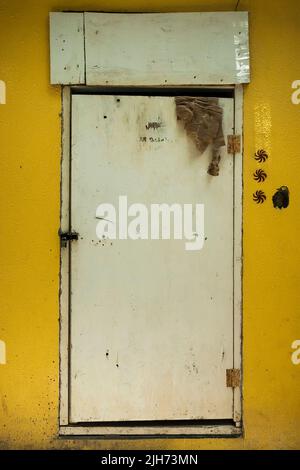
[{"x": 29, "y": 205}]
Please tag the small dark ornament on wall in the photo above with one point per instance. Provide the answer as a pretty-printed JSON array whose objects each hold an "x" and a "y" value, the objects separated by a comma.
[
  {"x": 259, "y": 197},
  {"x": 281, "y": 197},
  {"x": 259, "y": 175},
  {"x": 261, "y": 156}
]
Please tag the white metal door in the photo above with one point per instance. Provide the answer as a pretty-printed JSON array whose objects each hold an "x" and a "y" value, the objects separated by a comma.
[{"x": 151, "y": 324}]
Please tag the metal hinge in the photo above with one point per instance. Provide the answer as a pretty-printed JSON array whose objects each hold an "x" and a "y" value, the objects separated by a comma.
[
  {"x": 233, "y": 378},
  {"x": 67, "y": 236},
  {"x": 233, "y": 143}
]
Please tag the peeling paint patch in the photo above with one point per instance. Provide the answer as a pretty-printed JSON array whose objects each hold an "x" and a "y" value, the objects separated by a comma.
[{"x": 2, "y": 92}]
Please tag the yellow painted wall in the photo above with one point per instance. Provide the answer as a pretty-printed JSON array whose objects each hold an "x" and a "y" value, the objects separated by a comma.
[{"x": 29, "y": 205}]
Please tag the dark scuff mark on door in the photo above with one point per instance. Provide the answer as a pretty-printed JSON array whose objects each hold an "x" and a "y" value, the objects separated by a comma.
[{"x": 153, "y": 125}]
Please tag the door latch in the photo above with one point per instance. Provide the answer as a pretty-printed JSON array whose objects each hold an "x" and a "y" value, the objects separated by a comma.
[
  {"x": 233, "y": 144},
  {"x": 67, "y": 236},
  {"x": 233, "y": 378}
]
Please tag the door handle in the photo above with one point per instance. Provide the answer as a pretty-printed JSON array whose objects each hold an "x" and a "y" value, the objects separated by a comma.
[{"x": 67, "y": 236}]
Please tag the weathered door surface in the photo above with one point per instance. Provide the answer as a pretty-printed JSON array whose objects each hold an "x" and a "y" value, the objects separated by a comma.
[{"x": 151, "y": 323}]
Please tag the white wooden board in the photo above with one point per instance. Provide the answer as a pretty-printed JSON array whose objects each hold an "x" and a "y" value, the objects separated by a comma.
[
  {"x": 149, "y": 48},
  {"x": 67, "y": 65},
  {"x": 151, "y": 323},
  {"x": 167, "y": 48}
]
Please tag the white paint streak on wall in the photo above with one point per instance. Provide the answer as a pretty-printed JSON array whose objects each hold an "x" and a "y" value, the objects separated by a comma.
[
  {"x": 2, "y": 352},
  {"x": 2, "y": 92}
]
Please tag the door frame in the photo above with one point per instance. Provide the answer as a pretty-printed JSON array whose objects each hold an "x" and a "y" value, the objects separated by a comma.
[{"x": 208, "y": 428}]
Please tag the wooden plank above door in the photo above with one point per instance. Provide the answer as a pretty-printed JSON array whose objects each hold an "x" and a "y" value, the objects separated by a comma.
[
  {"x": 136, "y": 49},
  {"x": 67, "y": 64}
]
